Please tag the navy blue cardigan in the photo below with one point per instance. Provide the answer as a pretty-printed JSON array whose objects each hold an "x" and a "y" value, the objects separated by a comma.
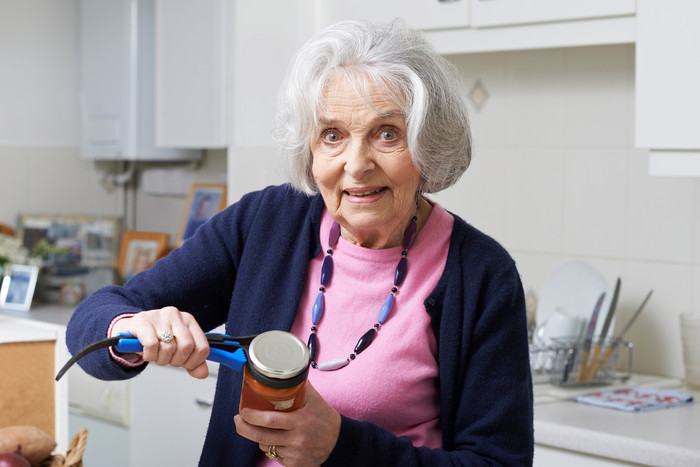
[{"x": 247, "y": 267}]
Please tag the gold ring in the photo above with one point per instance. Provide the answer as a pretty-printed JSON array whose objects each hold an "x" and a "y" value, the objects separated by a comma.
[
  {"x": 272, "y": 453},
  {"x": 166, "y": 336}
]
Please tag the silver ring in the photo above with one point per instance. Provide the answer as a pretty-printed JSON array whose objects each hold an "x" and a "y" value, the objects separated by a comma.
[{"x": 166, "y": 336}]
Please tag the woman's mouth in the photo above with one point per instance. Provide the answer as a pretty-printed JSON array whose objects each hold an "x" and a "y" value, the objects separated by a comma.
[
  {"x": 362, "y": 194},
  {"x": 367, "y": 195}
]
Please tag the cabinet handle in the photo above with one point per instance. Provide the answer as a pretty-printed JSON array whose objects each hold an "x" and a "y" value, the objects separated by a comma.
[
  {"x": 203, "y": 402},
  {"x": 448, "y": 1}
]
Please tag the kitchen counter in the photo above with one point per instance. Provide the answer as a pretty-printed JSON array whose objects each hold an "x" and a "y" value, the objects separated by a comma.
[
  {"x": 27, "y": 330},
  {"x": 593, "y": 435},
  {"x": 51, "y": 314},
  {"x": 666, "y": 437}
]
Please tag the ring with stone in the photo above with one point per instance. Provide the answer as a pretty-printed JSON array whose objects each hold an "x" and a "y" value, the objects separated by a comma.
[{"x": 166, "y": 336}]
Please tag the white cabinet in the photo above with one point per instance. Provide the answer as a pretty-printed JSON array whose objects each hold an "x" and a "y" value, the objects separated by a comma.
[
  {"x": 38, "y": 74},
  {"x": 421, "y": 14},
  {"x": 170, "y": 413},
  {"x": 222, "y": 61},
  {"x": 507, "y": 12},
  {"x": 117, "y": 82},
  {"x": 191, "y": 97},
  {"x": 467, "y": 26},
  {"x": 667, "y": 89}
]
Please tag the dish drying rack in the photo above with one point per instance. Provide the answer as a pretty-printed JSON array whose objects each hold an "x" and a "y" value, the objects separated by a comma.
[{"x": 561, "y": 363}]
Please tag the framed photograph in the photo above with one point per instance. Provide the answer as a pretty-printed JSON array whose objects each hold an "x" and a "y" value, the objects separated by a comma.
[
  {"x": 17, "y": 289},
  {"x": 63, "y": 240},
  {"x": 139, "y": 251},
  {"x": 204, "y": 200}
]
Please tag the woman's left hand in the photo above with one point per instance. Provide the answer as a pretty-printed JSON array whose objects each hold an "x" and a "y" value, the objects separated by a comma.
[{"x": 304, "y": 437}]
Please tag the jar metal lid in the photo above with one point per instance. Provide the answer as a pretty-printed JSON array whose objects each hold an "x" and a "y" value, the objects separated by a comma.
[{"x": 278, "y": 354}]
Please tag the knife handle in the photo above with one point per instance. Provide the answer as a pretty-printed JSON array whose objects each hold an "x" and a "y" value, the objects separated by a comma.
[
  {"x": 583, "y": 366},
  {"x": 596, "y": 353},
  {"x": 597, "y": 364}
]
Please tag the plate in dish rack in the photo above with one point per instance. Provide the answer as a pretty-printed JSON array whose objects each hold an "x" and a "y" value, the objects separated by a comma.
[{"x": 574, "y": 286}]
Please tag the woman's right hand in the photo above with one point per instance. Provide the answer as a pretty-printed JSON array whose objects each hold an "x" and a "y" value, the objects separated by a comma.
[{"x": 189, "y": 347}]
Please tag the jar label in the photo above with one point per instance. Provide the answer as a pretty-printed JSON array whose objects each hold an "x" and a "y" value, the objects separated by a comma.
[{"x": 283, "y": 405}]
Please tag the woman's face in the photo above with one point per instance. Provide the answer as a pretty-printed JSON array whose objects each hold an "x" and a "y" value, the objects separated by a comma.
[{"x": 362, "y": 165}]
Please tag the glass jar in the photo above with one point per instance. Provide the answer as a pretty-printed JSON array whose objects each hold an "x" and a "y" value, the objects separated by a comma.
[{"x": 274, "y": 377}]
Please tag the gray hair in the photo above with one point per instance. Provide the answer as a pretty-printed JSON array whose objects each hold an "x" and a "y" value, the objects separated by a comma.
[{"x": 422, "y": 82}]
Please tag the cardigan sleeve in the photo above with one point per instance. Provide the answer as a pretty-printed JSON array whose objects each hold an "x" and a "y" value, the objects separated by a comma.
[{"x": 197, "y": 278}]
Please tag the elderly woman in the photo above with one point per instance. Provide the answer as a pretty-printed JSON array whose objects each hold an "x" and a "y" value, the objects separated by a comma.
[{"x": 370, "y": 119}]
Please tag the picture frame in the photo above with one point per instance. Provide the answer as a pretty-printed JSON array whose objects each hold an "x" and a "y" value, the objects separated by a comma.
[
  {"x": 138, "y": 251},
  {"x": 203, "y": 202},
  {"x": 17, "y": 289},
  {"x": 67, "y": 240}
]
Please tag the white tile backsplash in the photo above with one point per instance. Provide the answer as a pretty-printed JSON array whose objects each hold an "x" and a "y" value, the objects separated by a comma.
[
  {"x": 598, "y": 101},
  {"x": 696, "y": 228},
  {"x": 556, "y": 177},
  {"x": 594, "y": 199},
  {"x": 536, "y": 96},
  {"x": 659, "y": 214},
  {"x": 534, "y": 202}
]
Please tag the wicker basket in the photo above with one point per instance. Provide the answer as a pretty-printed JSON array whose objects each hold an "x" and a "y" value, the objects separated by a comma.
[{"x": 74, "y": 455}]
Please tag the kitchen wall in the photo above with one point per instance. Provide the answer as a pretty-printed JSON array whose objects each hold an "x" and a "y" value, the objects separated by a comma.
[
  {"x": 555, "y": 177},
  {"x": 55, "y": 180},
  {"x": 40, "y": 169}
]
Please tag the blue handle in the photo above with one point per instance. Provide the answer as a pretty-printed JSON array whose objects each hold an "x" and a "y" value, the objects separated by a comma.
[
  {"x": 235, "y": 360},
  {"x": 128, "y": 344}
]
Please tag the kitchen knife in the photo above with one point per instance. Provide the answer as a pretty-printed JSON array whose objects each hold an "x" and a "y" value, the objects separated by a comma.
[
  {"x": 606, "y": 325},
  {"x": 588, "y": 342},
  {"x": 616, "y": 341}
]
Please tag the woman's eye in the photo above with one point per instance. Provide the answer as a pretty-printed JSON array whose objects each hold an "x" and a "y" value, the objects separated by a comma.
[
  {"x": 387, "y": 135},
  {"x": 331, "y": 136}
]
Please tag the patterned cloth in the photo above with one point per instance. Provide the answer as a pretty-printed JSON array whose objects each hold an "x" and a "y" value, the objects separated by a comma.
[{"x": 637, "y": 399}]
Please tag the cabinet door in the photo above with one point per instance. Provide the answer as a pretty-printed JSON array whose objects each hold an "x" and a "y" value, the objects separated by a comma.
[
  {"x": 116, "y": 79},
  {"x": 190, "y": 73},
  {"x": 170, "y": 413},
  {"x": 667, "y": 89},
  {"x": 507, "y": 12},
  {"x": 421, "y": 14}
]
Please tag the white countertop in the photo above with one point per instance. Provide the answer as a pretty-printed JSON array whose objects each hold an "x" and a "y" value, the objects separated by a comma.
[{"x": 666, "y": 437}]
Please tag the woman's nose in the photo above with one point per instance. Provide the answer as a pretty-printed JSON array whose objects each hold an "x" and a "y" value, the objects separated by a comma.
[{"x": 359, "y": 160}]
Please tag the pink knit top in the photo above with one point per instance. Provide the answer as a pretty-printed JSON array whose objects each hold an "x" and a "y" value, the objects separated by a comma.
[{"x": 394, "y": 382}]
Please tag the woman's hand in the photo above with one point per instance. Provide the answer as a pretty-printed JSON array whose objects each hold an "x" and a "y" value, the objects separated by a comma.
[
  {"x": 189, "y": 347},
  {"x": 304, "y": 437}
]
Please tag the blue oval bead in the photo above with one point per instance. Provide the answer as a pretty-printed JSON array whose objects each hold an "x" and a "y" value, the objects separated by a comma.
[
  {"x": 400, "y": 272},
  {"x": 313, "y": 347},
  {"x": 333, "y": 234},
  {"x": 317, "y": 312},
  {"x": 386, "y": 309},
  {"x": 410, "y": 235},
  {"x": 365, "y": 341},
  {"x": 326, "y": 270}
]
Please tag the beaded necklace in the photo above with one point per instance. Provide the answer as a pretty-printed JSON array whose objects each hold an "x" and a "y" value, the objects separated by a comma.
[{"x": 319, "y": 305}]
